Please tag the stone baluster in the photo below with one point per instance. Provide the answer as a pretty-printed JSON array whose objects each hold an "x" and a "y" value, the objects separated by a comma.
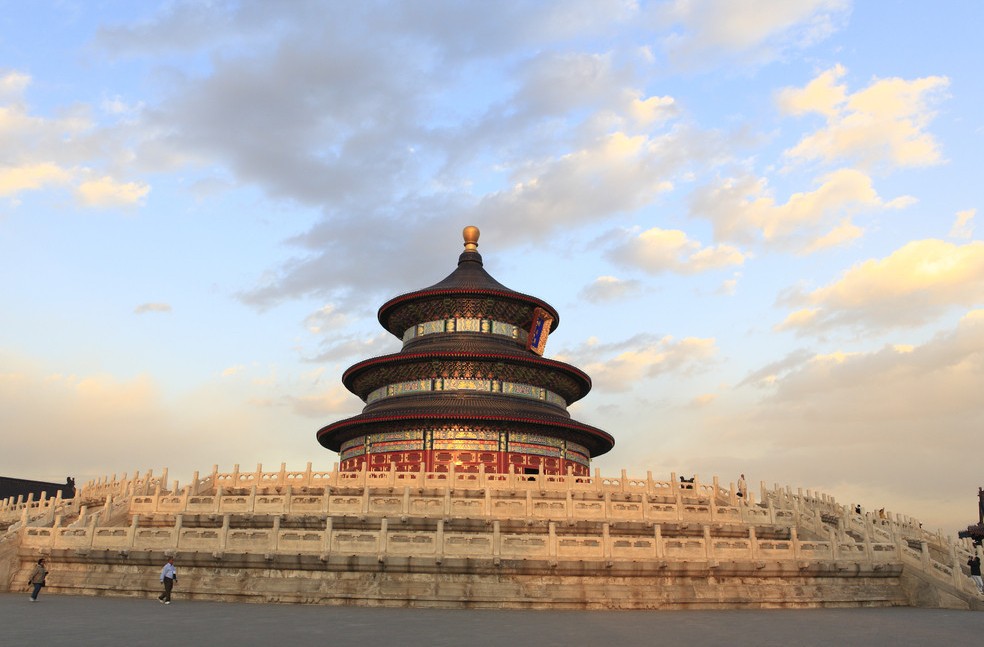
[
  {"x": 496, "y": 543},
  {"x": 25, "y": 510},
  {"x": 326, "y": 544},
  {"x": 132, "y": 531},
  {"x": 107, "y": 510},
  {"x": 178, "y": 524},
  {"x": 439, "y": 541},
  {"x": 54, "y": 504},
  {"x": 708, "y": 546},
  {"x": 552, "y": 542},
  {"x": 383, "y": 540},
  {"x": 956, "y": 572},
  {"x": 91, "y": 530},
  {"x": 658, "y": 544},
  {"x": 275, "y": 534},
  {"x": 606, "y": 540},
  {"x": 224, "y": 534}
]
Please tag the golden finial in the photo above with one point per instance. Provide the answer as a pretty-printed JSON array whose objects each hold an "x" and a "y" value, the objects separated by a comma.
[{"x": 471, "y": 235}]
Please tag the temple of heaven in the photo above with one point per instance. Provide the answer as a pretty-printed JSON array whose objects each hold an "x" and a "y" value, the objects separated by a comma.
[{"x": 469, "y": 391}]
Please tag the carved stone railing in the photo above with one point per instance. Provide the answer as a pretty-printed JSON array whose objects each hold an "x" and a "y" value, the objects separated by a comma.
[
  {"x": 525, "y": 516},
  {"x": 499, "y": 540}
]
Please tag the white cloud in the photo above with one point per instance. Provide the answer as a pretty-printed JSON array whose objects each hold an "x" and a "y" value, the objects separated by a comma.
[
  {"x": 30, "y": 177},
  {"x": 357, "y": 347},
  {"x": 744, "y": 209},
  {"x": 608, "y": 288},
  {"x": 334, "y": 401},
  {"x": 107, "y": 192},
  {"x": 860, "y": 423},
  {"x": 325, "y": 319},
  {"x": 884, "y": 123},
  {"x": 753, "y": 31},
  {"x": 617, "y": 173},
  {"x": 144, "y": 308},
  {"x": 913, "y": 285},
  {"x": 621, "y": 366},
  {"x": 671, "y": 250},
  {"x": 653, "y": 110},
  {"x": 233, "y": 370},
  {"x": 12, "y": 85},
  {"x": 963, "y": 226},
  {"x": 42, "y": 153}
]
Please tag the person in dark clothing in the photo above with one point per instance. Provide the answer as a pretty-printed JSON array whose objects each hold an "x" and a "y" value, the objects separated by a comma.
[{"x": 975, "y": 572}]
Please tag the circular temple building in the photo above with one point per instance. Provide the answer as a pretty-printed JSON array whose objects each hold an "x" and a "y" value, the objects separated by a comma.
[{"x": 470, "y": 388}]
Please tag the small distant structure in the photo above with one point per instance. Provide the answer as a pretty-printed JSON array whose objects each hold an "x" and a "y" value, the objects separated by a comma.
[
  {"x": 976, "y": 532},
  {"x": 13, "y": 487}
]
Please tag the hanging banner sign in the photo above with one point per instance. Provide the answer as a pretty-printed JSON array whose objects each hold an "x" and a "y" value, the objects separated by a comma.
[{"x": 539, "y": 331}]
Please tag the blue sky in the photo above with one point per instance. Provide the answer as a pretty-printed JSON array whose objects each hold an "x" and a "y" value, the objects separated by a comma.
[{"x": 758, "y": 221}]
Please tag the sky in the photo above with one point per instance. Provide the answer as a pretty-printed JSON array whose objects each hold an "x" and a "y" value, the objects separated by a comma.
[{"x": 760, "y": 223}]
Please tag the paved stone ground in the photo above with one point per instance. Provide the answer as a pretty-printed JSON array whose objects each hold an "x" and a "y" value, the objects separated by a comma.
[{"x": 81, "y": 621}]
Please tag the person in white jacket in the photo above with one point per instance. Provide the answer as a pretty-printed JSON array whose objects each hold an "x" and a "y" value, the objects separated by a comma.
[{"x": 169, "y": 575}]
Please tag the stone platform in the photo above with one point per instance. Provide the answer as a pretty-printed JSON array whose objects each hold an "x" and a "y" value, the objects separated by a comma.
[{"x": 476, "y": 540}]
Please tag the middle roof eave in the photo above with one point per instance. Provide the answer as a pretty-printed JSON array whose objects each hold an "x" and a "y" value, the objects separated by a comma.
[{"x": 579, "y": 376}]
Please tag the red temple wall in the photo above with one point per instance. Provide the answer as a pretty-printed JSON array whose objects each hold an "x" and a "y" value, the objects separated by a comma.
[{"x": 464, "y": 461}]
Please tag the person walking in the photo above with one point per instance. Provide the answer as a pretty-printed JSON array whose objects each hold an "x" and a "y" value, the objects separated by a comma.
[
  {"x": 975, "y": 572},
  {"x": 40, "y": 572},
  {"x": 741, "y": 486},
  {"x": 169, "y": 575}
]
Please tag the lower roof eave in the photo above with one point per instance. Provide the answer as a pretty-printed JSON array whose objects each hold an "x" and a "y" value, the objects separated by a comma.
[{"x": 332, "y": 436}]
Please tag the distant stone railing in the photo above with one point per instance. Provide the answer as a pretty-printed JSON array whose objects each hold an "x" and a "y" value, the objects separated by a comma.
[
  {"x": 880, "y": 526},
  {"x": 18, "y": 511}
]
